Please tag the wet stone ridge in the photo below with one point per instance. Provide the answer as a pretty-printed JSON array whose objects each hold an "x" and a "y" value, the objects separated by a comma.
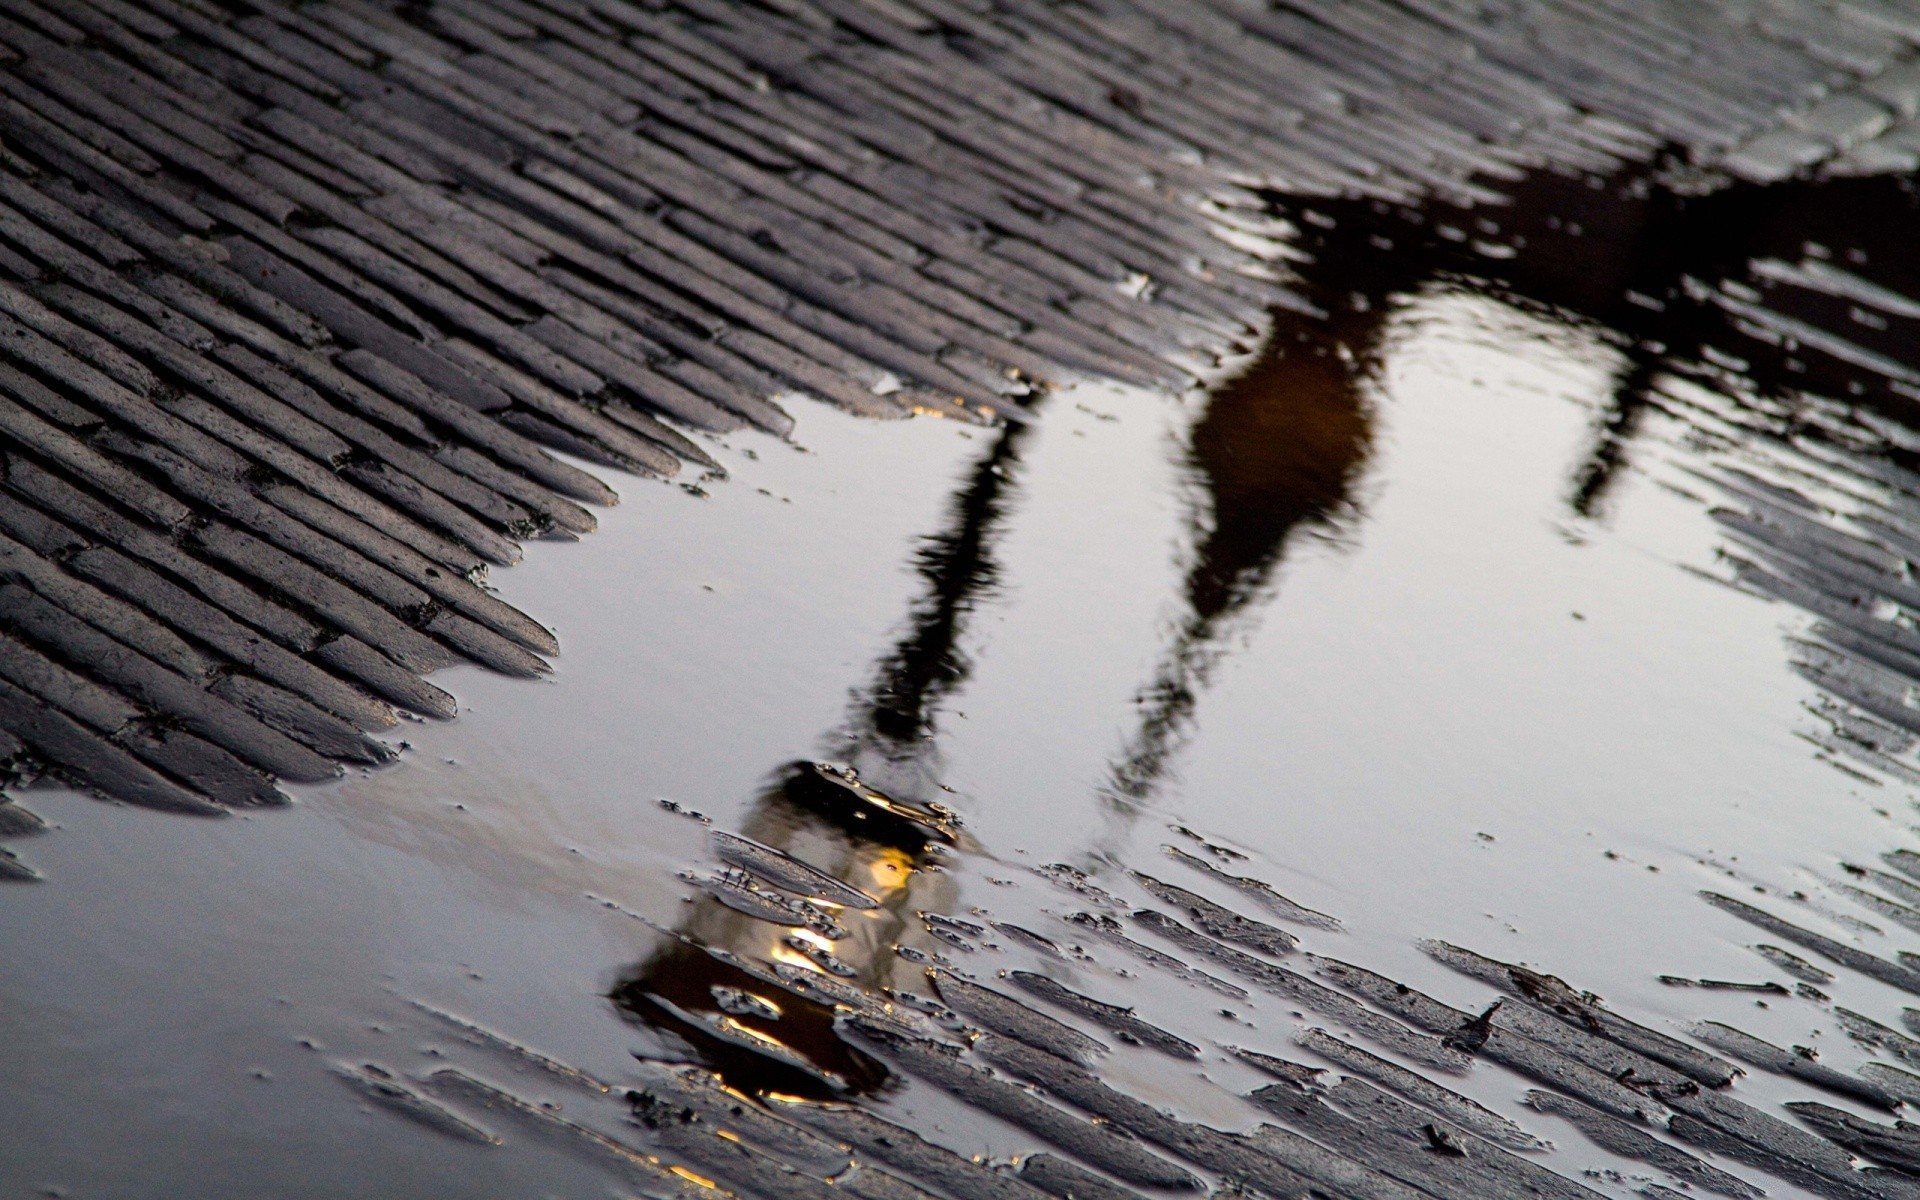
[{"x": 297, "y": 301}]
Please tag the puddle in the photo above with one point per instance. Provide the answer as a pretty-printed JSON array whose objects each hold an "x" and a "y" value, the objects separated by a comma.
[{"x": 1423, "y": 619}]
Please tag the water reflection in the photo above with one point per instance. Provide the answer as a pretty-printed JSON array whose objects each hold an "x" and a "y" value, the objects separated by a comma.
[
  {"x": 706, "y": 984},
  {"x": 893, "y": 730},
  {"x": 1666, "y": 273},
  {"x": 1275, "y": 453},
  {"x": 1670, "y": 281},
  {"x": 1631, "y": 260},
  {"x": 877, "y": 823},
  {"x": 758, "y": 1035},
  {"x": 1775, "y": 334},
  {"x": 1272, "y": 453}
]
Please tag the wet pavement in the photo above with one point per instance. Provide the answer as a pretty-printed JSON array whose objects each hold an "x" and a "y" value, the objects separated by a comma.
[
  {"x": 1498, "y": 552},
  {"x": 1477, "y": 610}
]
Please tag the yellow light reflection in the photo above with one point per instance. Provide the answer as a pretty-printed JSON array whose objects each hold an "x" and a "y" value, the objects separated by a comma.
[
  {"x": 888, "y": 871},
  {"x": 702, "y": 1180},
  {"x": 744, "y": 1031},
  {"x": 785, "y": 1098},
  {"x": 783, "y": 953}
]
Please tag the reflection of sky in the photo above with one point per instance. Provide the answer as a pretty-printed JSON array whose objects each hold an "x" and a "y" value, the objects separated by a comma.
[{"x": 1409, "y": 685}]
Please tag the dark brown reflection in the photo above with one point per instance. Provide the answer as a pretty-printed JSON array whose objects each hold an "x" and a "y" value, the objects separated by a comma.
[
  {"x": 787, "y": 1047},
  {"x": 1276, "y": 451}
]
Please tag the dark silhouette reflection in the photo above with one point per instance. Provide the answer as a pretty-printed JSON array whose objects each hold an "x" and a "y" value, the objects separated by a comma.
[
  {"x": 1612, "y": 431},
  {"x": 1659, "y": 271},
  {"x": 1796, "y": 309},
  {"x": 770, "y": 1041},
  {"x": 876, "y": 823},
  {"x": 1645, "y": 259},
  {"x": 1275, "y": 452}
]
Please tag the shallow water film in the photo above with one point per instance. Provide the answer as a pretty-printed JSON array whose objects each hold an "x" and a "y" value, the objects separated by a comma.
[{"x": 974, "y": 601}]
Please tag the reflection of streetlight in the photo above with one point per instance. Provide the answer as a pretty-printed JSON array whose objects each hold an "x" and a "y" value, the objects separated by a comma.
[
  {"x": 876, "y": 824},
  {"x": 1273, "y": 453},
  {"x": 890, "y": 737},
  {"x": 701, "y": 985},
  {"x": 1275, "y": 449}
]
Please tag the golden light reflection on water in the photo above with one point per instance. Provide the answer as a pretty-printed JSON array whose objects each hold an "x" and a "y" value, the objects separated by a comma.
[{"x": 790, "y": 1044}]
